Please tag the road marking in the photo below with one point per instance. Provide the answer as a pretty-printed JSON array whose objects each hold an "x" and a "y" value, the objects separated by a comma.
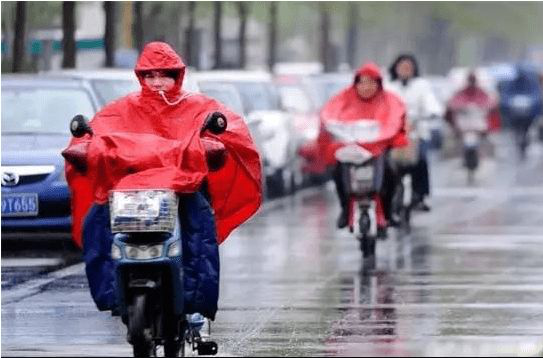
[
  {"x": 485, "y": 192},
  {"x": 30, "y": 262},
  {"x": 33, "y": 287}
]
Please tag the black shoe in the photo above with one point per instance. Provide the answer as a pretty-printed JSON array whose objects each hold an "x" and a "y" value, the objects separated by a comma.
[
  {"x": 422, "y": 206},
  {"x": 382, "y": 233},
  {"x": 115, "y": 312},
  {"x": 342, "y": 220},
  {"x": 393, "y": 221}
]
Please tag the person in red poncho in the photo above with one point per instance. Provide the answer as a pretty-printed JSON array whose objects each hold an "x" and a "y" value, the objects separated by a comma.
[
  {"x": 365, "y": 99},
  {"x": 473, "y": 94},
  {"x": 163, "y": 108},
  {"x": 158, "y": 123}
]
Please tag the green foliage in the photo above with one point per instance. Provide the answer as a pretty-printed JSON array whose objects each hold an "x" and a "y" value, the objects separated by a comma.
[
  {"x": 40, "y": 14},
  {"x": 43, "y": 14}
]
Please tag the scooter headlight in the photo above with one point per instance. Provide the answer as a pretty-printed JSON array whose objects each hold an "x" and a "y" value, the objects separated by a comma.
[
  {"x": 174, "y": 249},
  {"x": 143, "y": 252},
  {"x": 116, "y": 252}
]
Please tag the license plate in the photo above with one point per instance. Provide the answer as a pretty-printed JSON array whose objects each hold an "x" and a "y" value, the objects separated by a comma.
[
  {"x": 19, "y": 205},
  {"x": 363, "y": 173},
  {"x": 136, "y": 205}
]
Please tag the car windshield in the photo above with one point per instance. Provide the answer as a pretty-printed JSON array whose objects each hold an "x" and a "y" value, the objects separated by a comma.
[
  {"x": 295, "y": 98},
  {"x": 225, "y": 95},
  {"x": 42, "y": 110},
  {"x": 110, "y": 90},
  {"x": 324, "y": 88},
  {"x": 257, "y": 96}
]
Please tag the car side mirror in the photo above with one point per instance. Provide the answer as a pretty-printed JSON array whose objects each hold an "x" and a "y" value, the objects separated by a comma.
[{"x": 79, "y": 126}]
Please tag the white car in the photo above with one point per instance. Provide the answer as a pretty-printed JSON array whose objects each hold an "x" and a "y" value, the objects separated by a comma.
[
  {"x": 110, "y": 84},
  {"x": 261, "y": 106}
]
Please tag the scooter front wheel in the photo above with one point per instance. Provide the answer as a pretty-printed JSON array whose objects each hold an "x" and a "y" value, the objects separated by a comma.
[
  {"x": 175, "y": 346},
  {"x": 139, "y": 335}
]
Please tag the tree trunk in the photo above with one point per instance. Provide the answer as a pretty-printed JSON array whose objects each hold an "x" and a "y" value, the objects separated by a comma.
[
  {"x": 109, "y": 34},
  {"x": 138, "y": 25},
  {"x": 325, "y": 39},
  {"x": 19, "y": 39},
  {"x": 243, "y": 11},
  {"x": 218, "y": 34},
  {"x": 352, "y": 35},
  {"x": 68, "y": 34},
  {"x": 189, "y": 40},
  {"x": 272, "y": 32}
]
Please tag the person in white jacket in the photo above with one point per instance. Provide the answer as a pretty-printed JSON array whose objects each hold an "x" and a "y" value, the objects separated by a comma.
[{"x": 422, "y": 108}]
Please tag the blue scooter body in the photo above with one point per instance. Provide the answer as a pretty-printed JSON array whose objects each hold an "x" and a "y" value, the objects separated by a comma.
[{"x": 172, "y": 266}]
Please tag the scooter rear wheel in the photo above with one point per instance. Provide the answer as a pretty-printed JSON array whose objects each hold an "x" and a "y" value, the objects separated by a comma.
[{"x": 368, "y": 246}]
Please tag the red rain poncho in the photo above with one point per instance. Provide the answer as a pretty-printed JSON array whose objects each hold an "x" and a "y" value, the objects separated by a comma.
[
  {"x": 152, "y": 134},
  {"x": 348, "y": 106},
  {"x": 477, "y": 96}
]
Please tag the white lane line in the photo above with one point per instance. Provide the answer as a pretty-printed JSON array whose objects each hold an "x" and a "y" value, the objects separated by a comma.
[
  {"x": 486, "y": 192},
  {"x": 30, "y": 262},
  {"x": 484, "y": 236},
  {"x": 32, "y": 287},
  {"x": 299, "y": 195}
]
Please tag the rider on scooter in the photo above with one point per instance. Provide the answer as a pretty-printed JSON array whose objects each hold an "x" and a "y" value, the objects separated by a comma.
[
  {"x": 472, "y": 94},
  {"x": 423, "y": 109},
  {"x": 365, "y": 100},
  {"x": 163, "y": 109},
  {"x": 521, "y": 103}
]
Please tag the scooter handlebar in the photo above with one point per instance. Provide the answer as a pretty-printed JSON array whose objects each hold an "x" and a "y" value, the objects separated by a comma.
[{"x": 216, "y": 123}]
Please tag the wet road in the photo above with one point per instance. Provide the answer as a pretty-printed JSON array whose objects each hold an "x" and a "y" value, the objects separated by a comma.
[{"x": 468, "y": 280}]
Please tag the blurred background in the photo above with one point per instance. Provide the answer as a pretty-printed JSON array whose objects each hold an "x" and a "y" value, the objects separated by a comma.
[
  {"x": 332, "y": 35},
  {"x": 465, "y": 279}
]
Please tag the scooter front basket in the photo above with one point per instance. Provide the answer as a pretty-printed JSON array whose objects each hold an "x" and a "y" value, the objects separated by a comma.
[
  {"x": 364, "y": 179},
  {"x": 152, "y": 210}
]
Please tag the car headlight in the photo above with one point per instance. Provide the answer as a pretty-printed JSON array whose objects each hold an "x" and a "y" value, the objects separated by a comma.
[
  {"x": 116, "y": 252},
  {"x": 143, "y": 252},
  {"x": 61, "y": 178},
  {"x": 174, "y": 249}
]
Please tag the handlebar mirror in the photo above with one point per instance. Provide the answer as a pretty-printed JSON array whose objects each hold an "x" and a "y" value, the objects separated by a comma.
[
  {"x": 79, "y": 126},
  {"x": 216, "y": 123}
]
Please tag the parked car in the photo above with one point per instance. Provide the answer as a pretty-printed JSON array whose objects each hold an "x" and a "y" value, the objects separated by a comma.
[
  {"x": 325, "y": 85},
  {"x": 261, "y": 104},
  {"x": 36, "y": 111},
  {"x": 319, "y": 88},
  {"x": 110, "y": 84},
  {"x": 228, "y": 95},
  {"x": 295, "y": 98}
]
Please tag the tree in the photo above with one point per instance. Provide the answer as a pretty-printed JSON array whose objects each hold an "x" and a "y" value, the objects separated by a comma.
[
  {"x": 190, "y": 36},
  {"x": 325, "y": 27},
  {"x": 243, "y": 12},
  {"x": 218, "y": 34},
  {"x": 352, "y": 34},
  {"x": 20, "y": 33},
  {"x": 138, "y": 25},
  {"x": 109, "y": 34},
  {"x": 272, "y": 33},
  {"x": 68, "y": 34}
]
